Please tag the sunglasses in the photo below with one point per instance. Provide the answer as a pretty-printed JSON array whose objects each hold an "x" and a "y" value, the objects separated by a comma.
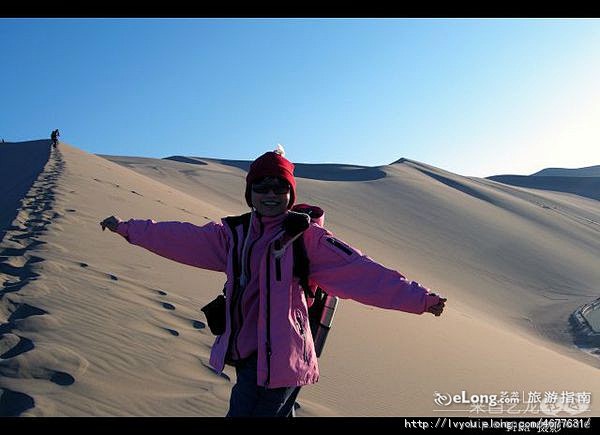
[{"x": 278, "y": 189}]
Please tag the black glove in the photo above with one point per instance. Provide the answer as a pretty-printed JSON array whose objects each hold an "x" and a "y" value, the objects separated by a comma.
[{"x": 295, "y": 223}]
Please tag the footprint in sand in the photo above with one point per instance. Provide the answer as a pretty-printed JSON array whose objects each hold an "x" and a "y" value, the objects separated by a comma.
[
  {"x": 106, "y": 182},
  {"x": 24, "y": 345},
  {"x": 33, "y": 259},
  {"x": 222, "y": 375},
  {"x": 39, "y": 221},
  {"x": 12, "y": 287},
  {"x": 197, "y": 324},
  {"x": 22, "y": 312},
  {"x": 23, "y": 272},
  {"x": 13, "y": 252},
  {"x": 35, "y": 243},
  {"x": 14, "y": 403},
  {"x": 168, "y": 306},
  {"x": 28, "y": 236},
  {"x": 25, "y": 310},
  {"x": 62, "y": 378},
  {"x": 172, "y": 332},
  {"x": 41, "y": 372}
]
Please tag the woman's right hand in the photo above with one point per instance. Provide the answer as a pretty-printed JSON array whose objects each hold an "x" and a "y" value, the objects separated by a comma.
[{"x": 111, "y": 223}]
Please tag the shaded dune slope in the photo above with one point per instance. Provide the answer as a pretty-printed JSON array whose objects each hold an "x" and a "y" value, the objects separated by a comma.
[
  {"x": 590, "y": 171},
  {"x": 20, "y": 165},
  {"x": 588, "y": 186}
]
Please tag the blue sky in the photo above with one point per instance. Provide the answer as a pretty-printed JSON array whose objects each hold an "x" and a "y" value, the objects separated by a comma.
[{"x": 477, "y": 97}]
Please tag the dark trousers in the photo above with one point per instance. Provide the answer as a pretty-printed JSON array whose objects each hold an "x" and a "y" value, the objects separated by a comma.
[{"x": 251, "y": 400}]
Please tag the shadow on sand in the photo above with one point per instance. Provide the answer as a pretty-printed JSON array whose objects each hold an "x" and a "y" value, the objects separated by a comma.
[
  {"x": 588, "y": 187},
  {"x": 20, "y": 165}
]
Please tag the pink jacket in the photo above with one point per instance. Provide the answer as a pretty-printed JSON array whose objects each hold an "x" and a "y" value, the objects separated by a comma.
[{"x": 286, "y": 355}]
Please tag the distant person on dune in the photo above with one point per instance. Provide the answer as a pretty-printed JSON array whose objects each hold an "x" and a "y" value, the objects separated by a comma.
[
  {"x": 54, "y": 137},
  {"x": 265, "y": 332}
]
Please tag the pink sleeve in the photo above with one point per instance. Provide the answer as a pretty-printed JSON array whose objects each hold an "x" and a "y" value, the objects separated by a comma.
[
  {"x": 344, "y": 271},
  {"x": 204, "y": 247}
]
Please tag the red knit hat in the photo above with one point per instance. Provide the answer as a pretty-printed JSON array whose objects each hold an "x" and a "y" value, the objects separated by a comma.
[{"x": 272, "y": 164}]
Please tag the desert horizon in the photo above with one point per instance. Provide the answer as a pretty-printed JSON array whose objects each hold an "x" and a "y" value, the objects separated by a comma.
[{"x": 93, "y": 326}]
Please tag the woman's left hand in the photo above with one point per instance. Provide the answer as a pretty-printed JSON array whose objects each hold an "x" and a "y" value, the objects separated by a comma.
[{"x": 438, "y": 308}]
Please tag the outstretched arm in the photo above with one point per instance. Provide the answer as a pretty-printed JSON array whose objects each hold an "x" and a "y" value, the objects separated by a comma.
[
  {"x": 345, "y": 272},
  {"x": 204, "y": 247}
]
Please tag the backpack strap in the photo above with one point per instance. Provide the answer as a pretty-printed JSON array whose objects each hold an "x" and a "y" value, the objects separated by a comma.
[
  {"x": 302, "y": 265},
  {"x": 233, "y": 222}
]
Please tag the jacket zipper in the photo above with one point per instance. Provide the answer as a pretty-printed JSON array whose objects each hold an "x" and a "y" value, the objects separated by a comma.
[
  {"x": 339, "y": 245},
  {"x": 268, "y": 343},
  {"x": 234, "y": 290},
  {"x": 278, "y": 262}
]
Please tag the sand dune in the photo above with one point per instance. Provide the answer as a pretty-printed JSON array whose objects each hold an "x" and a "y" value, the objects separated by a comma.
[
  {"x": 588, "y": 186},
  {"x": 93, "y": 326},
  {"x": 324, "y": 172},
  {"x": 590, "y": 171},
  {"x": 582, "y": 181}
]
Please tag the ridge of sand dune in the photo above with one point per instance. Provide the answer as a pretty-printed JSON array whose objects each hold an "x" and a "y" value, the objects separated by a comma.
[
  {"x": 315, "y": 171},
  {"x": 581, "y": 181},
  {"x": 94, "y": 326},
  {"x": 589, "y": 171}
]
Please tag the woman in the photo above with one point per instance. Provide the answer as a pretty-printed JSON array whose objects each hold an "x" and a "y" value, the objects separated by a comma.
[{"x": 267, "y": 336}]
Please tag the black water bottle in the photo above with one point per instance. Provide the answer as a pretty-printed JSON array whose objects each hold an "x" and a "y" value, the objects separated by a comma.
[{"x": 324, "y": 322}]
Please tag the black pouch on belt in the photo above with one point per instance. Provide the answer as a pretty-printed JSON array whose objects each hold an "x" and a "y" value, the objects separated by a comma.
[{"x": 215, "y": 315}]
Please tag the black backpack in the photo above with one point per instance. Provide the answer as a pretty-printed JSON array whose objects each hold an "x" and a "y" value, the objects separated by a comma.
[{"x": 320, "y": 313}]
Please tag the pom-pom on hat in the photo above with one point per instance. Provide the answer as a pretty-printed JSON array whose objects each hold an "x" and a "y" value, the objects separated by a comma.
[{"x": 272, "y": 164}]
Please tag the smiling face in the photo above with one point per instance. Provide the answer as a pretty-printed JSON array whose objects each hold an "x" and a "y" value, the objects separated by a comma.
[{"x": 270, "y": 196}]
